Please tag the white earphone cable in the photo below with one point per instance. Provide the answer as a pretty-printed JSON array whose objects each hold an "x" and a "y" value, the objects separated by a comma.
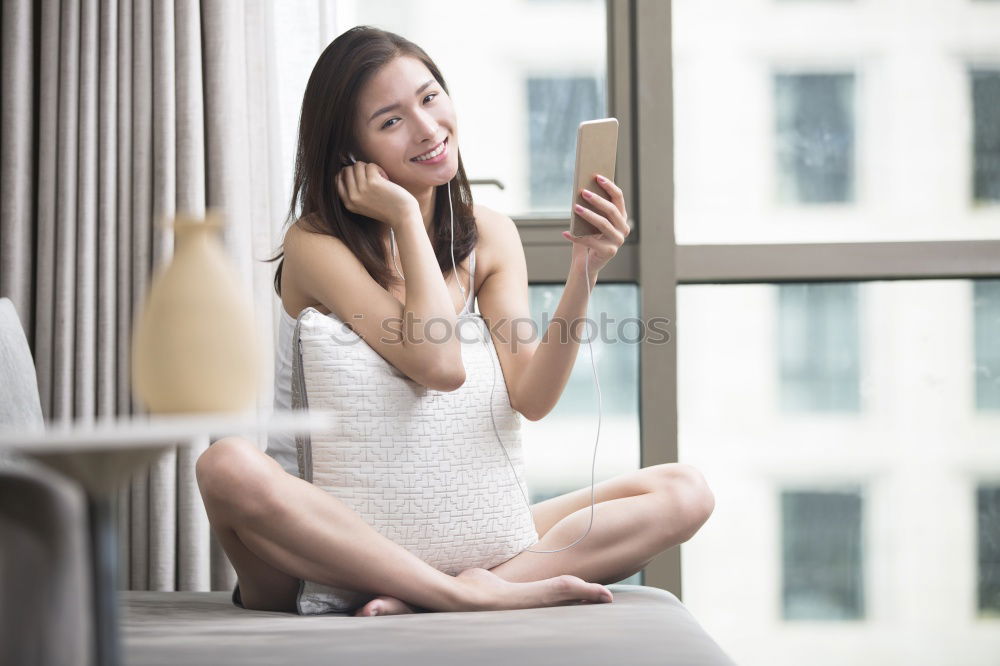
[{"x": 496, "y": 430}]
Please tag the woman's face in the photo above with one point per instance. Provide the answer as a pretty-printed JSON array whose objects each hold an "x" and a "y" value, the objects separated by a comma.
[{"x": 421, "y": 119}]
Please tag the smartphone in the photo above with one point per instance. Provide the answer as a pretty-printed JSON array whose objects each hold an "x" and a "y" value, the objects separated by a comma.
[{"x": 596, "y": 148}]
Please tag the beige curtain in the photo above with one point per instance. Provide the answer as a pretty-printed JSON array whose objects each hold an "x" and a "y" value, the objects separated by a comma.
[{"x": 115, "y": 115}]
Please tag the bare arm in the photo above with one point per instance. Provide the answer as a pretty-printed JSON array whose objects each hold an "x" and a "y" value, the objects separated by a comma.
[
  {"x": 536, "y": 374},
  {"x": 428, "y": 314},
  {"x": 536, "y": 370}
]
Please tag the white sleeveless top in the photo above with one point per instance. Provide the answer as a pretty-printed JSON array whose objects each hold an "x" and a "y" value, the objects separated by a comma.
[{"x": 281, "y": 447}]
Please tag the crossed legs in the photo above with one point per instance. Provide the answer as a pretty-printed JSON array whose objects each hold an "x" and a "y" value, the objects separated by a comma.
[{"x": 637, "y": 516}]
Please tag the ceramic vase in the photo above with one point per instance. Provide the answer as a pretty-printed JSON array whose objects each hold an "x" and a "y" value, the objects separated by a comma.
[{"x": 193, "y": 346}]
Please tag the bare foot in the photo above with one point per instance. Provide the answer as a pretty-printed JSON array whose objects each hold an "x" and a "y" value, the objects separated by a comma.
[
  {"x": 385, "y": 606},
  {"x": 490, "y": 592}
]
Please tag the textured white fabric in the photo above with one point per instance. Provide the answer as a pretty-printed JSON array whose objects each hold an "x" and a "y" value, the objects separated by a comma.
[
  {"x": 281, "y": 446},
  {"x": 423, "y": 467}
]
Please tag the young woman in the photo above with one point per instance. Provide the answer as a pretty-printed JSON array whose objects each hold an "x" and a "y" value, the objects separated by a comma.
[{"x": 378, "y": 158}]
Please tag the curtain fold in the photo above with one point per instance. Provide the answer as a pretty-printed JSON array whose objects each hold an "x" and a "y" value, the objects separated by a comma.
[
  {"x": 131, "y": 112},
  {"x": 194, "y": 563},
  {"x": 162, "y": 475},
  {"x": 123, "y": 251},
  {"x": 141, "y": 222},
  {"x": 17, "y": 135},
  {"x": 83, "y": 369}
]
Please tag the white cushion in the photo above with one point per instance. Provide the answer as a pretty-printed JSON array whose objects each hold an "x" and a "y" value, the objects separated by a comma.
[{"x": 423, "y": 467}]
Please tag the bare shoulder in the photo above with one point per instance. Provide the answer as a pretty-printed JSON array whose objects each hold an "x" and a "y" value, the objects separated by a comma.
[
  {"x": 306, "y": 248},
  {"x": 486, "y": 216},
  {"x": 302, "y": 228}
]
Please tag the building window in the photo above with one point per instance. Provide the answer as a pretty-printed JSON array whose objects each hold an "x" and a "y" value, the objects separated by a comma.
[
  {"x": 555, "y": 107},
  {"x": 815, "y": 137},
  {"x": 818, "y": 347},
  {"x": 988, "y": 539},
  {"x": 822, "y": 576},
  {"x": 986, "y": 134}
]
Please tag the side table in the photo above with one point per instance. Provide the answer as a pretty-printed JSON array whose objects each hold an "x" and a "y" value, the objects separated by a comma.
[{"x": 104, "y": 454}]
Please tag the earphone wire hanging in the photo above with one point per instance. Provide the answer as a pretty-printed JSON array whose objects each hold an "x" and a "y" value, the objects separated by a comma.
[{"x": 496, "y": 430}]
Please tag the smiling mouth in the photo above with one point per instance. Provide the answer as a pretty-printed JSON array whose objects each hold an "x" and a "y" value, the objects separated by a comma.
[{"x": 439, "y": 147}]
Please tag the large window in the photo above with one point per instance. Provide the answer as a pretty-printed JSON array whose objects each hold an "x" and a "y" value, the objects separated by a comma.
[
  {"x": 835, "y": 519},
  {"x": 837, "y": 216},
  {"x": 792, "y": 125}
]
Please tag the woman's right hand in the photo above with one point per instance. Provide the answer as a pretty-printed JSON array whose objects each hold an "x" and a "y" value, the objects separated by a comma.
[{"x": 365, "y": 189}]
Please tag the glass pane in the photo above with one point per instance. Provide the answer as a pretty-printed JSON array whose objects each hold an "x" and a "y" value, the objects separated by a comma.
[
  {"x": 817, "y": 346},
  {"x": 299, "y": 38},
  {"x": 850, "y": 434},
  {"x": 519, "y": 100},
  {"x": 986, "y": 310},
  {"x": 791, "y": 125},
  {"x": 553, "y": 137},
  {"x": 559, "y": 449}
]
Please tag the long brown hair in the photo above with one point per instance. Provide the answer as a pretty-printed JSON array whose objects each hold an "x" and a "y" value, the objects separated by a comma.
[{"x": 327, "y": 135}]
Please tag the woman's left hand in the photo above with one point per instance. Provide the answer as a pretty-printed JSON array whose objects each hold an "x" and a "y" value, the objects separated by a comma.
[{"x": 610, "y": 219}]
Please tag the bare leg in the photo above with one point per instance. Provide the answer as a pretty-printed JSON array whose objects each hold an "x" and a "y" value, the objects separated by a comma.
[
  {"x": 294, "y": 528},
  {"x": 624, "y": 538},
  {"x": 637, "y": 516},
  {"x": 621, "y": 542}
]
